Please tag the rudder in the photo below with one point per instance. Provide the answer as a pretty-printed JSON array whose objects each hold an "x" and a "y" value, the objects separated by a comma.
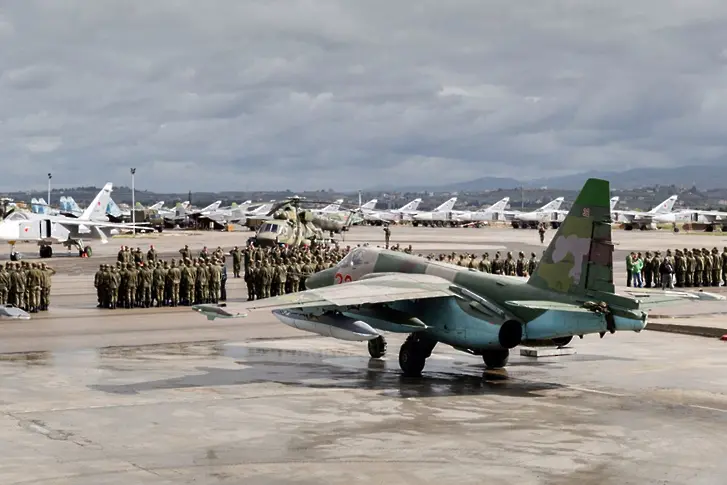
[{"x": 580, "y": 255}]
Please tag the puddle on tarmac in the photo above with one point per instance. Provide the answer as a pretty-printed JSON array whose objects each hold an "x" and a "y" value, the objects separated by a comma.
[{"x": 324, "y": 370}]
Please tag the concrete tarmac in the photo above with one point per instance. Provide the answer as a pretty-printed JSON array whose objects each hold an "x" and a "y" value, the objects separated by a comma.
[{"x": 162, "y": 396}]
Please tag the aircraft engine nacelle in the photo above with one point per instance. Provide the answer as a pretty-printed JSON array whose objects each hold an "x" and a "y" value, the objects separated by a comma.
[
  {"x": 511, "y": 334},
  {"x": 328, "y": 324}
]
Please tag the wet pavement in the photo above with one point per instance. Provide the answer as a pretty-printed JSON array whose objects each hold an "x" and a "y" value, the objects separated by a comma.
[
  {"x": 163, "y": 396},
  {"x": 630, "y": 408}
]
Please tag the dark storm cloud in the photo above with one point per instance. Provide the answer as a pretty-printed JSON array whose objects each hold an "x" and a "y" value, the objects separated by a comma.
[{"x": 305, "y": 94}]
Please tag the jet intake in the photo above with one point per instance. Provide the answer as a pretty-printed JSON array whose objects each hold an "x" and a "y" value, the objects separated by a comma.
[{"x": 328, "y": 324}]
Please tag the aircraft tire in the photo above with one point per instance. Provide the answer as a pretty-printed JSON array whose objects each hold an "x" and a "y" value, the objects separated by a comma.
[
  {"x": 411, "y": 359},
  {"x": 495, "y": 359},
  {"x": 88, "y": 251},
  {"x": 377, "y": 347}
]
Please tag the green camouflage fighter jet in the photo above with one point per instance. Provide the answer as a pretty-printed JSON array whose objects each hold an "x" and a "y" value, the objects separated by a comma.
[{"x": 570, "y": 293}]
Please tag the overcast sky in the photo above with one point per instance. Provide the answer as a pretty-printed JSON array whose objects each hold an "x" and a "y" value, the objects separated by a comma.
[{"x": 251, "y": 94}]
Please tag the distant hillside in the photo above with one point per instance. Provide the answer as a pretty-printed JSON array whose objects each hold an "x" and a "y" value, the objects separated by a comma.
[{"x": 700, "y": 176}]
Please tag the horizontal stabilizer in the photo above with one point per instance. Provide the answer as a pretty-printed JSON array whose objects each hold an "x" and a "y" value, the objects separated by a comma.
[{"x": 650, "y": 299}]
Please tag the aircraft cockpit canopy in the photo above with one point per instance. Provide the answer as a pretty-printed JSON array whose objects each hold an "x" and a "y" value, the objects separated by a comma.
[{"x": 353, "y": 258}]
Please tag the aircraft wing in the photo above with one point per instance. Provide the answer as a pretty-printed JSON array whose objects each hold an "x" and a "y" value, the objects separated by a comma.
[
  {"x": 80, "y": 222},
  {"x": 381, "y": 289},
  {"x": 656, "y": 298}
]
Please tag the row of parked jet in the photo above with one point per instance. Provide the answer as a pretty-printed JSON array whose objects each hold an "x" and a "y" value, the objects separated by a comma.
[{"x": 550, "y": 214}]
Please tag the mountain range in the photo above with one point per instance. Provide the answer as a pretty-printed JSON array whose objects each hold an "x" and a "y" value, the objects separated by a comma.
[{"x": 703, "y": 177}]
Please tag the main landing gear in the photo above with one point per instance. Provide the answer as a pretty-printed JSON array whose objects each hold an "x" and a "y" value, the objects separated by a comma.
[
  {"x": 495, "y": 359},
  {"x": 377, "y": 347},
  {"x": 414, "y": 353}
]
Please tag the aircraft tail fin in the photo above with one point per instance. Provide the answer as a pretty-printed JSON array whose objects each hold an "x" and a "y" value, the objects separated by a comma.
[
  {"x": 580, "y": 255},
  {"x": 97, "y": 207},
  {"x": 499, "y": 205},
  {"x": 411, "y": 206},
  {"x": 665, "y": 207},
  {"x": 113, "y": 209},
  {"x": 553, "y": 205},
  {"x": 370, "y": 204},
  {"x": 73, "y": 206},
  {"x": 447, "y": 206},
  {"x": 614, "y": 201}
]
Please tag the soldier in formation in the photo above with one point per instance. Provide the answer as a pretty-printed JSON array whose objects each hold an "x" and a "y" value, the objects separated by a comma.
[
  {"x": 507, "y": 267},
  {"x": 26, "y": 285},
  {"x": 278, "y": 271},
  {"x": 136, "y": 281},
  {"x": 685, "y": 268}
]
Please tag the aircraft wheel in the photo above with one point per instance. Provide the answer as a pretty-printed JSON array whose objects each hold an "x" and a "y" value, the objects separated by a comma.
[
  {"x": 377, "y": 347},
  {"x": 46, "y": 252},
  {"x": 414, "y": 353},
  {"x": 495, "y": 359},
  {"x": 87, "y": 251},
  {"x": 411, "y": 360}
]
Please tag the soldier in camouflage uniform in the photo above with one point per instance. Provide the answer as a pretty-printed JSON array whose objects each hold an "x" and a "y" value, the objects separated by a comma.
[
  {"x": 484, "y": 265},
  {"x": 520, "y": 265},
  {"x": 707, "y": 273},
  {"x": 689, "y": 270},
  {"x": 716, "y": 267},
  {"x": 532, "y": 264},
  {"x": 497, "y": 264},
  {"x": 4, "y": 285},
  {"x": 509, "y": 268},
  {"x": 250, "y": 276}
]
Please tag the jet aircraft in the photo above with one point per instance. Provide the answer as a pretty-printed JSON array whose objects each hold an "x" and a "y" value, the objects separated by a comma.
[
  {"x": 661, "y": 214},
  {"x": 405, "y": 213},
  {"x": 70, "y": 231},
  {"x": 533, "y": 218},
  {"x": 373, "y": 290}
]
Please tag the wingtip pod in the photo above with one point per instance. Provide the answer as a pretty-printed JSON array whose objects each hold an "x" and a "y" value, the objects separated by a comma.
[
  {"x": 706, "y": 296},
  {"x": 212, "y": 311}
]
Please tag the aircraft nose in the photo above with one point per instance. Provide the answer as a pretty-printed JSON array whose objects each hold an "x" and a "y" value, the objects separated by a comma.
[
  {"x": 9, "y": 230},
  {"x": 321, "y": 278}
]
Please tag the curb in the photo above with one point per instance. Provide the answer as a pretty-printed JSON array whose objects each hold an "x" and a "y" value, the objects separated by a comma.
[{"x": 712, "y": 332}]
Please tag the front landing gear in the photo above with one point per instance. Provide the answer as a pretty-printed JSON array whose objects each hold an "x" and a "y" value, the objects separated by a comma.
[
  {"x": 495, "y": 359},
  {"x": 377, "y": 347},
  {"x": 414, "y": 353}
]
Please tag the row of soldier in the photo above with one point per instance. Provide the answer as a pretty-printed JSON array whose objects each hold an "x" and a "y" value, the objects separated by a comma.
[
  {"x": 274, "y": 271},
  {"x": 693, "y": 268},
  {"x": 161, "y": 283},
  {"x": 508, "y": 266},
  {"x": 26, "y": 285}
]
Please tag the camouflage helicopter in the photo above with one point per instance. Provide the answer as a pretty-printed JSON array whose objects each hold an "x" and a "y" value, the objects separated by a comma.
[{"x": 288, "y": 223}]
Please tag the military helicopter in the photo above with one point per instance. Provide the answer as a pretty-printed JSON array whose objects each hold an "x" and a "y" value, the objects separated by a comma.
[{"x": 288, "y": 223}]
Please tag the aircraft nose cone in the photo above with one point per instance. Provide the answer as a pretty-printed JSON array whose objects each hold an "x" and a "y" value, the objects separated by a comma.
[{"x": 320, "y": 279}]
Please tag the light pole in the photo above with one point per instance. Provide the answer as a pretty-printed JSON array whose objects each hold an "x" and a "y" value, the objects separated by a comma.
[
  {"x": 133, "y": 202},
  {"x": 49, "y": 177}
]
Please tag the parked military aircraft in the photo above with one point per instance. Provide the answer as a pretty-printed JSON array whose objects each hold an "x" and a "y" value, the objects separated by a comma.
[
  {"x": 533, "y": 218},
  {"x": 661, "y": 214},
  {"x": 371, "y": 290},
  {"x": 405, "y": 213},
  {"x": 456, "y": 217},
  {"x": 70, "y": 231}
]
